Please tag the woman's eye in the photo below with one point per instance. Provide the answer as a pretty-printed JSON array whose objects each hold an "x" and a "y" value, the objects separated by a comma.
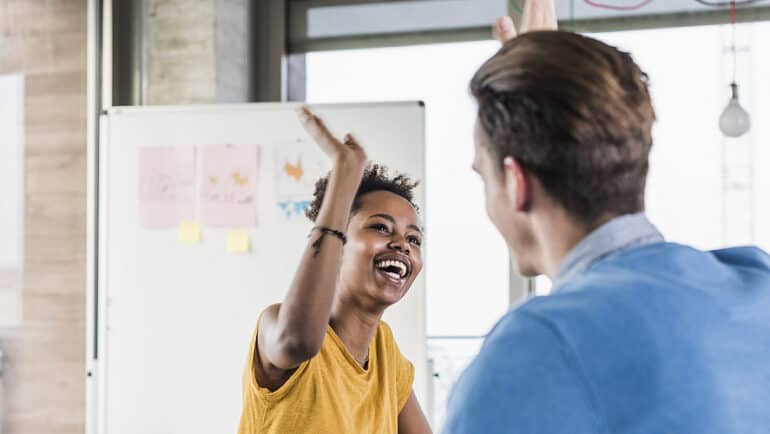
[
  {"x": 416, "y": 241},
  {"x": 380, "y": 227}
]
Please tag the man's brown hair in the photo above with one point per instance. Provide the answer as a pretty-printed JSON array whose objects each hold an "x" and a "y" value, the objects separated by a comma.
[{"x": 576, "y": 113}]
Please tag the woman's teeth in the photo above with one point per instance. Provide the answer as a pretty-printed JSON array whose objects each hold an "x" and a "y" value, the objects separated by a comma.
[
  {"x": 393, "y": 275},
  {"x": 399, "y": 268}
]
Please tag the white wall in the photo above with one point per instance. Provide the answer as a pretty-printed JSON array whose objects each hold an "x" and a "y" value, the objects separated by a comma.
[{"x": 11, "y": 196}]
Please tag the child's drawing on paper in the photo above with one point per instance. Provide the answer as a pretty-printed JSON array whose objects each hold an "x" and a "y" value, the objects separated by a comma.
[
  {"x": 166, "y": 185},
  {"x": 298, "y": 167},
  {"x": 229, "y": 185}
]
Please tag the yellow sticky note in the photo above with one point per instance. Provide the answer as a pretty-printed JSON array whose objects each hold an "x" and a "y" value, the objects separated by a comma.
[
  {"x": 189, "y": 232},
  {"x": 238, "y": 242}
]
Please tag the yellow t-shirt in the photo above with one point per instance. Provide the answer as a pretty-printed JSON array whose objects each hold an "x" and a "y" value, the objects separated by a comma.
[{"x": 331, "y": 393}]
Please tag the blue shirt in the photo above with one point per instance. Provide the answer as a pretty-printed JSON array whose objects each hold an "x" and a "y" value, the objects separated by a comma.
[{"x": 640, "y": 337}]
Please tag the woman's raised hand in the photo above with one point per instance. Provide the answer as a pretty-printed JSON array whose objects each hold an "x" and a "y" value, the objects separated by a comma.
[
  {"x": 538, "y": 15},
  {"x": 347, "y": 154}
]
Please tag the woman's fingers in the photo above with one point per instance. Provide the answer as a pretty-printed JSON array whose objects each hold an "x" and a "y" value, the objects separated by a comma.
[
  {"x": 355, "y": 151},
  {"x": 348, "y": 150},
  {"x": 351, "y": 142},
  {"x": 503, "y": 29},
  {"x": 538, "y": 15},
  {"x": 316, "y": 128}
]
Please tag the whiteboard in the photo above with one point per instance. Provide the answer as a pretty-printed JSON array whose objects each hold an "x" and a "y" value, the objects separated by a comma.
[{"x": 175, "y": 319}]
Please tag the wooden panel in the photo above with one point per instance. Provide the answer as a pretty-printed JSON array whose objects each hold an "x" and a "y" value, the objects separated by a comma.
[
  {"x": 68, "y": 52},
  {"x": 37, "y": 53},
  {"x": 11, "y": 59},
  {"x": 61, "y": 172},
  {"x": 54, "y": 111},
  {"x": 66, "y": 83},
  {"x": 55, "y": 217},
  {"x": 45, "y": 357},
  {"x": 53, "y": 140}
]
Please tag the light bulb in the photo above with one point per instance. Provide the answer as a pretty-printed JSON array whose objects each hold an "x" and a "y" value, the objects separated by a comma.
[{"x": 734, "y": 121}]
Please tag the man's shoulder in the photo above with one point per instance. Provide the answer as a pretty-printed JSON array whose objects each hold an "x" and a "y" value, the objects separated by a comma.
[
  {"x": 541, "y": 327},
  {"x": 517, "y": 343},
  {"x": 746, "y": 256},
  {"x": 667, "y": 261},
  {"x": 522, "y": 366}
]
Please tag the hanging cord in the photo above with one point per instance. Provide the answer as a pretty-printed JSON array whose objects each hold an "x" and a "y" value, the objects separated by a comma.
[{"x": 733, "y": 20}]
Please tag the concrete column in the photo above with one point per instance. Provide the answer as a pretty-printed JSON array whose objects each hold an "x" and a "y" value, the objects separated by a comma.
[
  {"x": 196, "y": 51},
  {"x": 232, "y": 50}
]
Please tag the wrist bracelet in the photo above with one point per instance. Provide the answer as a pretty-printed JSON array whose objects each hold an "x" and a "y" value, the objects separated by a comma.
[
  {"x": 338, "y": 234},
  {"x": 324, "y": 231}
]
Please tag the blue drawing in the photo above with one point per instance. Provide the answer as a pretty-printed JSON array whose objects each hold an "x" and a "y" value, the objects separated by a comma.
[{"x": 294, "y": 208}]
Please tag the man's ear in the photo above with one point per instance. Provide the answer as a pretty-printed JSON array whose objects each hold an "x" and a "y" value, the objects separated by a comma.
[{"x": 517, "y": 183}]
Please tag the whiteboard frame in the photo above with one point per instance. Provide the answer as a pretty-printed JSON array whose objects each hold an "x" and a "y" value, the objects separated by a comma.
[{"x": 98, "y": 186}]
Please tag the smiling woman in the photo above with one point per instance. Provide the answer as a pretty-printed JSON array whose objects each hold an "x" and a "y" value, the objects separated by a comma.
[
  {"x": 323, "y": 361},
  {"x": 378, "y": 187}
]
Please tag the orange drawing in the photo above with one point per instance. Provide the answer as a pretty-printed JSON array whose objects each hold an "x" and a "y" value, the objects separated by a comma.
[
  {"x": 294, "y": 171},
  {"x": 240, "y": 180}
]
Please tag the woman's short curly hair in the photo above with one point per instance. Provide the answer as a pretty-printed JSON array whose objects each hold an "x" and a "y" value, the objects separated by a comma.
[{"x": 376, "y": 178}]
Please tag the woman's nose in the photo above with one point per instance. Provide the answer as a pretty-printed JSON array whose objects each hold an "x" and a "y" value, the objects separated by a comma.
[{"x": 399, "y": 243}]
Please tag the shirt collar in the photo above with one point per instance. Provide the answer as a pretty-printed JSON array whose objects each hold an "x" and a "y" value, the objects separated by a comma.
[{"x": 620, "y": 233}]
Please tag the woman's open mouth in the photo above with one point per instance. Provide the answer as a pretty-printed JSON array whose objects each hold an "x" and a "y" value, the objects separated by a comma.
[{"x": 394, "y": 268}]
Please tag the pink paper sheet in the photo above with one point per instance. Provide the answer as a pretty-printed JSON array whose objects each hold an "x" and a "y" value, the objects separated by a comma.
[
  {"x": 166, "y": 185},
  {"x": 229, "y": 185}
]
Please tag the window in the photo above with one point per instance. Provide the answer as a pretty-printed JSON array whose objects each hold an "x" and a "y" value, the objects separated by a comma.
[
  {"x": 468, "y": 300},
  {"x": 462, "y": 304},
  {"x": 701, "y": 184},
  {"x": 703, "y": 189}
]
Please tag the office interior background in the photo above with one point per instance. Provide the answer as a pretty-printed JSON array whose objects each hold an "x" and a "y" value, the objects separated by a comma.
[{"x": 62, "y": 62}]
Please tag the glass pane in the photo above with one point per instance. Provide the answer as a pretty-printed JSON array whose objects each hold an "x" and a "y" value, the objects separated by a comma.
[
  {"x": 467, "y": 261},
  {"x": 694, "y": 194},
  {"x": 567, "y": 9},
  {"x": 449, "y": 357},
  {"x": 688, "y": 194},
  {"x": 403, "y": 16}
]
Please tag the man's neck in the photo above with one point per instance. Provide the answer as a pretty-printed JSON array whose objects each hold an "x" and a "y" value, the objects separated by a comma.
[{"x": 557, "y": 233}]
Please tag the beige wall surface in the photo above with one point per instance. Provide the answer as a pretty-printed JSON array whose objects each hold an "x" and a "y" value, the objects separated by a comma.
[{"x": 45, "y": 40}]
